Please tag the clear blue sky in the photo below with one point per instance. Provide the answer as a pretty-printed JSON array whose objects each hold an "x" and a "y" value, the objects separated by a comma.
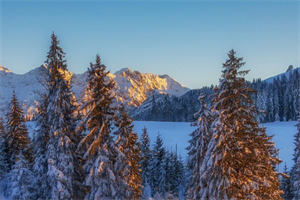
[{"x": 187, "y": 40}]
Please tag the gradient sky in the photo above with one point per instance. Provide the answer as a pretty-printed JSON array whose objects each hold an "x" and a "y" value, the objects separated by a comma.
[{"x": 186, "y": 40}]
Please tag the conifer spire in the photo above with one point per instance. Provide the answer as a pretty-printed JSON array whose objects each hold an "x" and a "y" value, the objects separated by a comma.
[
  {"x": 295, "y": 178},
  {"x": 3, "y": 152},
  {"x": 61, "y": 109},
  {"x": 17, "y": 133},
  {"x": 198, "y": 146},
  {"x": 127, "y": 144},
  {"x": 101, "y": 156},
  {"x": 240, "y": 159}
]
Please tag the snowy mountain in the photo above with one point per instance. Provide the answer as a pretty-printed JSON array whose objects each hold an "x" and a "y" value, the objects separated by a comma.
[
  {"x": 26, "y": 86},
  {"x": 132, "y": 87},
  {"x": 158, "y": 97}
]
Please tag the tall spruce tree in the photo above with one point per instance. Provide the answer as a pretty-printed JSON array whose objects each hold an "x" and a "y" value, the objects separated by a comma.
[
  {"x": 101, "y": 155},
  {"x": 285, "y": 185},
  {"x": 127, "y": 144},
  {"x": 146, "y": 158},
  {"x": 20, "y": 179},
  {"x": 40, "y": 142},
  {"x": 240, "y": 159},
  {"x": 61, "y": 107},
  {"x": 17, "y": 139},
  {"x": 198, "y": 145},
  {"x": 174, "y": 175},
  {"x": 158, "y": 168},
  {"x": 296, "y": 168},
  {"x": 3, "y": 152}
]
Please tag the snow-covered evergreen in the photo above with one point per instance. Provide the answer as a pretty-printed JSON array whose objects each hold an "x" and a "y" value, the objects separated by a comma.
[
  {"x": 174, "y": 180},
  {"x": 3, "y": 153},
  {"x": 127, "y": 144},
  {"x": 198, "y": 145},
  {"x": 103, "y": 160},
  {"x": 20, "y": 180},
  {"x": 286, "y": 185},
  {"x": 146, "y": 158},
  {"x": 240, "y": 159},
  {"x": 60, "y": 110},
  {"x": 17, "y": 139},
  {"x": 158, "y": 169},
  {"x": 40, "y": 142},
  {"x": 295, "y": 177}
]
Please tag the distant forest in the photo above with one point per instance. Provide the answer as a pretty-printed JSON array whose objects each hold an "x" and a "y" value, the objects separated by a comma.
[{"x": 277, "y": 100}]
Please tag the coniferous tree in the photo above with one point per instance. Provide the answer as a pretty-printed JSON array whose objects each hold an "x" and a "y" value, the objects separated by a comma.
[
  {"x": 61, "y": 109},
  {"x": 198, "y": 147},
  {"x": 40, "y": 142},
  {"x": 127, "y": 144},
  {"x": 20, "y": 179},
  {"x": 296, "y": 168},
  {"x": 169, "y": 169},
  {"x": 180, "y": 180},
  {"x": 3, "y": 151},
  {"x": 158, "y": 168},
  {"x": 285, "y": 185},
  {"x": 17, "y": 139},
  {"x": 101, "y": 155},
  {"x": 240, "y": 161},
  {"x": 146, "y": 158},
  {"x": 174, "y": 174}
]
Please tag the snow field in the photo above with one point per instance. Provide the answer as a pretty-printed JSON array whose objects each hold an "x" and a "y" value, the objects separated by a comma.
[{"x": 175, "y": 135}]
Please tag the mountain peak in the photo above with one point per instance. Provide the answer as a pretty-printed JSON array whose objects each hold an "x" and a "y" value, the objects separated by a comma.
[
  {"x": 126, "y": 69},
  {"x": 4, "y": 69}
]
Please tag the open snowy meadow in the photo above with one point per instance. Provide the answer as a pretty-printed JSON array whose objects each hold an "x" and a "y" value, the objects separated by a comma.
[{"x": 177, "y": 134}]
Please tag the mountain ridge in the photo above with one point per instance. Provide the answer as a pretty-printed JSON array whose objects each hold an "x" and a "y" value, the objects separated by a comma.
[{"x": 132, "y": 87}]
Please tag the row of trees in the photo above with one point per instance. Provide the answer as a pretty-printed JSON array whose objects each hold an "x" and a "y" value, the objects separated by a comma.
[
  {"x": 79, "y": 151},
  {"x": 163, "y": 172},
  {"x": 279, "y": 98},
  {"x": 84, "y": 150}
]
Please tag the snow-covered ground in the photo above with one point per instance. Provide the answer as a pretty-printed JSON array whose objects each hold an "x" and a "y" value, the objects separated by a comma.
[{"x": 177, "y": 134}]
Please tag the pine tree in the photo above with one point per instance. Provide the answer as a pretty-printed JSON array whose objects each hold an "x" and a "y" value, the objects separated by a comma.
[
  {"x": 20, "y": 179},
  {"x": 127, "y": 144},
  {"x": 198, "y": 147},
  {"x": 146, "y": 158},
  {"x": 17, "y": 133},
  {"x": 101, "y": 155},
  {"x": 40, "y": 142},
  {"x": 285, "y": 185},
  {"x": 296, "y": 168},
  {"x": 240, "y": 161},
  {"x": 61, "y": 108},
  {"x": 3, "y": 151},
  {"x": 174, "y": 174},
  {"x": 158, "y": 168}
]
